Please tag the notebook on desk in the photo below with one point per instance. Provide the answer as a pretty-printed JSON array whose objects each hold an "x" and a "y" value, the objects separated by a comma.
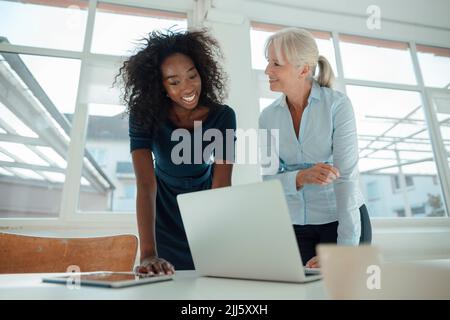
[{"x": 243, "y": 232}]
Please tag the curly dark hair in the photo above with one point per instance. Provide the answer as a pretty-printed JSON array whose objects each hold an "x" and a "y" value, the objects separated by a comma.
[{"x": 142, "y": 83}]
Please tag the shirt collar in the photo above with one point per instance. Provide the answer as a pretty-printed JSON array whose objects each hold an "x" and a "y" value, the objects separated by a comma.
[
  {"x": 315, "y": 91},
  {"x": 314, "y": 94}
]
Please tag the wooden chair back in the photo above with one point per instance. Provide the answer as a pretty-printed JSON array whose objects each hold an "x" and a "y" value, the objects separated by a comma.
[{"x": 29, "y": 254}]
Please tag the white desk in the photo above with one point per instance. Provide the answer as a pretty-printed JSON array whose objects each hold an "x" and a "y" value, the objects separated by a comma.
[
  {"x": 409, "y": 280},
  {"x": 186, "y": 285}
]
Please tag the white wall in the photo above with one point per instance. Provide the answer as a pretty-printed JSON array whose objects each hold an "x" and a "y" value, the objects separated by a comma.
[{"x": 233, "y": 33}]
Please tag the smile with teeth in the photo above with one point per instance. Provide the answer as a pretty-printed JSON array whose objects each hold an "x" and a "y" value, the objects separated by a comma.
[{"x": 189, "y": 99}]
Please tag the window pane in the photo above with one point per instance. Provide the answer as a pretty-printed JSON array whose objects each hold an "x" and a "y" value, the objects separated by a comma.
[
  {"x": 108, "y": 182},
  {"x": 376, "y": 60},
  {"x": 264, "y": 103},
  {"x": 442, "y": 107},
  {"x": 107, "y": 151},
  {"x": 435, "y": 65},
  {"x": 260, "y": 32},
  {"x": 44, "y": 23},
  {"x": 398, "y": 174},
  {"x": 35, "y": 94},
  {"x": 99, "y": 186},
  {"x": 118, "y": 28},
  {"x": 61, "y": 84}
]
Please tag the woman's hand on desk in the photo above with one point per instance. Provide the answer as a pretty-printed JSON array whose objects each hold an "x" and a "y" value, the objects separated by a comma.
[
  {"x": 313, "y": 263},
  {"x": 321, "y": 174},
  {"x": 155, "y": 265}
]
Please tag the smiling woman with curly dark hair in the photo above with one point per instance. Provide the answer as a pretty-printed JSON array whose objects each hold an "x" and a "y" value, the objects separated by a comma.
[
  {"x": 174, "y": 88},
  {"x": 144, "y": 92}
]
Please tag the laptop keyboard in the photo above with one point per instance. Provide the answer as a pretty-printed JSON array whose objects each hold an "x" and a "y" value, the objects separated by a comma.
[{"x": 312, "y": 271}]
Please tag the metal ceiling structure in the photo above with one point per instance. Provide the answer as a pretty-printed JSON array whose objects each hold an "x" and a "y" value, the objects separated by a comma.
[{"x": 47, "y": 128}]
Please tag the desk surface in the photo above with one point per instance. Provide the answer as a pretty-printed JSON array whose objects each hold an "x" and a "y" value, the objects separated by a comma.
[
  {"x": 186, "y": 285},
  {"x": 410, "y": 280}
]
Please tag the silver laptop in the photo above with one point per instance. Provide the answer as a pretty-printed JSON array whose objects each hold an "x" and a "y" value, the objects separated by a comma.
[{"x": 243, "y": 232}]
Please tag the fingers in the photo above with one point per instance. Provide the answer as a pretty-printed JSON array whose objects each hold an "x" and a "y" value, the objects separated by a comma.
[
  {"x": 326, "y": 168},
  {"x": 163, "y": 267},
  {"x": 323, "y": 174},
  {"x": 328, "y": 176},
  {"x": 168, "y": 268},
  {"x": 147, "y": 269},
  {"x": 313, "y": 263},
  {"x": 333, "y": 170},
  {"x": 316, "y": 178},
  {"x": 321, "y": 178},
  {"x": 156, "y": 266}
]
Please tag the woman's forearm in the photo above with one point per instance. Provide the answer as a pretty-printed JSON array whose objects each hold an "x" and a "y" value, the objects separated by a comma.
[
  {"x": 222, "y": 175},
  {"x": 146, "y": 209}
]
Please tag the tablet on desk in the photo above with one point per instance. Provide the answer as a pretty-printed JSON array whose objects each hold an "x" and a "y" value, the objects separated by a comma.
[{"x": 107, "y": 279}]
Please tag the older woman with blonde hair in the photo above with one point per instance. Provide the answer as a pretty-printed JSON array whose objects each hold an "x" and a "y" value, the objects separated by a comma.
[{"x": 317, "y": 146}]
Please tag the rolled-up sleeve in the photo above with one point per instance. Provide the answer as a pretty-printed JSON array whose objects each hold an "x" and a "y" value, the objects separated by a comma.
[
  {"x": 345, "y": 159},
  {"x": 139, "y": 138}
]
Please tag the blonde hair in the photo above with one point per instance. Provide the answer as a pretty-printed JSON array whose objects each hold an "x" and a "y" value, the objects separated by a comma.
[{"x": 299, "y": 48}]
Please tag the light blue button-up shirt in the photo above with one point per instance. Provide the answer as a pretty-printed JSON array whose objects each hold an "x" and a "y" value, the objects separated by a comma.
[{"x": 327, "y": 135}]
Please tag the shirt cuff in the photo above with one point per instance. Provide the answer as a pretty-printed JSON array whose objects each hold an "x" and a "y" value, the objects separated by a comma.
[
  {"x": 288, "y": 180},
  {"x": 291, "y": 182},
  {"x": 348, "y": 241}
]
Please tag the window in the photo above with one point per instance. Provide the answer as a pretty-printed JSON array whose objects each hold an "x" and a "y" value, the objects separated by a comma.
[
  {"x": 118, "y": 29},
  {"x": 36, "y": 95},
  {"x": 130, "y": 191},
  {"x": 99, "y": 155},
  {"x": 124, "y": 169},
  {"x": 376, "y": 60},
  {"x": 435, "y": 180},
  {"x": 58, "y": 77},
  {"x": 373, "y": 192},
  {"x": 435, "y": 66},
  {"x": 44, "y": 23},
  {"x": 409, "y": 182},
  {"x": 415, "y": 211},
  {"x": 441, "y": 103},
  {"x": 394, "y": 142}
]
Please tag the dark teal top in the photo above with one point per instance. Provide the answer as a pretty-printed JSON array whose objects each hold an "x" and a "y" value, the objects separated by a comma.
[{"x": 186, "y": 172}]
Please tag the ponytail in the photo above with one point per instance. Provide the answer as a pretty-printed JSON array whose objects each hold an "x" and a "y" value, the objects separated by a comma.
[{"x": 326, "y": 75}]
